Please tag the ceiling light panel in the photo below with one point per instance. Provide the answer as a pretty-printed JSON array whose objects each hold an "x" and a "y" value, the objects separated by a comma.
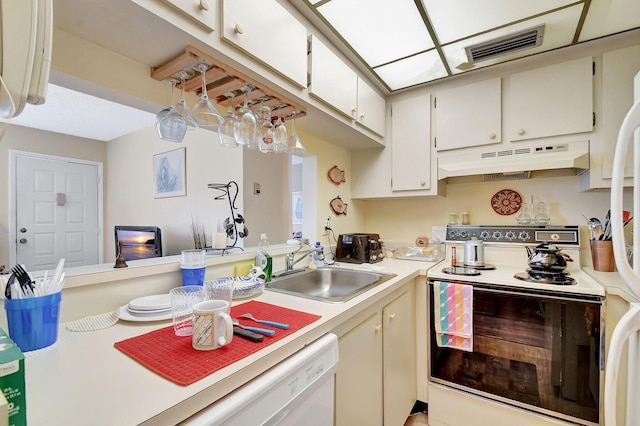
[
  {"x": 609, "y": 17},
  {"x": 456, "y": 19},
  {"x": 559, "y": 29},
  {"x": 380, "y": 31},
  {"x": 411, "y": 71}
]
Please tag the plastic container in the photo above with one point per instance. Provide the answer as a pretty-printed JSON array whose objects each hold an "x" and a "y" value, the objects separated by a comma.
[
  {"x": 192, "y": 276},
  {"x": 263, "y": 257},
  {"x": 33, "y": 321},
  {"x": 318, "y": 255}
]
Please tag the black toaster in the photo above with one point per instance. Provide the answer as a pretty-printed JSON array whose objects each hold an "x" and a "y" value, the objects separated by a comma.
[{"x": 359, "y": 248}]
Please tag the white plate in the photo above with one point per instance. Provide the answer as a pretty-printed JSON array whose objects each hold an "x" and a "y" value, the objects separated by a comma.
[
  {"x": 143, "y": 312},
  {"x": 129, "y": 316},
  {"x": 155, "y": 302}
]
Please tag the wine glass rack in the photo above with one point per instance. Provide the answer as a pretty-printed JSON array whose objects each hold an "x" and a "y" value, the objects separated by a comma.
[{"x": 222, "y": 80}]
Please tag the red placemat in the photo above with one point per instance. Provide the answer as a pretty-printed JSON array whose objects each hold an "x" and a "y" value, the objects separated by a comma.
[{"x": 159, "y": 350}]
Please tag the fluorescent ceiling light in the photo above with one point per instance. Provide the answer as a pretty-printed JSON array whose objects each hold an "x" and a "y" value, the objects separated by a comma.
[{"x": 77, "y": 114}]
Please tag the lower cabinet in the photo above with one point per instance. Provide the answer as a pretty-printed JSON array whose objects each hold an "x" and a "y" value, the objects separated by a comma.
[{"x": 376, "y": 376}]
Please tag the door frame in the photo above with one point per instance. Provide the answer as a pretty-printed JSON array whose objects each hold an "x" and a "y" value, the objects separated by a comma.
[{"x": 13, "y": 239}]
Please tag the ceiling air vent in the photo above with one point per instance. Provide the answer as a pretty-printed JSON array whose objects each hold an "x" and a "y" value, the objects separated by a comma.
[{"x": 526, "y": 39}]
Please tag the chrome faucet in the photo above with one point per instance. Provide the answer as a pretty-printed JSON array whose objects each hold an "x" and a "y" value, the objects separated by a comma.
[{"x": 291, "y": 262}]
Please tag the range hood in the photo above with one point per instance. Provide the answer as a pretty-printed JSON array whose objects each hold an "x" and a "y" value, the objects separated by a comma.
[{"x": 516, "y": 163}]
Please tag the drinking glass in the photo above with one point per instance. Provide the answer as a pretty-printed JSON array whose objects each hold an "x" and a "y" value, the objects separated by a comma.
[
  {"x": 230, "y": 124},
  {"x": 204, "y": 113},
  {"x": 171, "y": 126},
  {"x": 294, "y": 145},
  {"x": 266, "y": 130},
  {"x": 245, "y": 133},
  {"x": 181, "y": 106}
]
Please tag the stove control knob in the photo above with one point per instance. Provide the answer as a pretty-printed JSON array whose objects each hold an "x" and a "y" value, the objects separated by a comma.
[
  {"x": 464, "y": 234},
  {"x": 524, "y": 236},
  {"x": 484, "y": 235},
  {"x": 497, "y": 235},
  {"x": 510, "y": 235},
  {"x": 554, "y": 237}
]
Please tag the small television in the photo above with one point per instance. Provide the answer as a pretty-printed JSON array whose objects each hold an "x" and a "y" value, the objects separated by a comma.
[{"x": 139, "y": 242}]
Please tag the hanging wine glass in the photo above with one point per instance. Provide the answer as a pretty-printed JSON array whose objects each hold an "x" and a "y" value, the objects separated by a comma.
[
  {"x": 229, "y": 125},
  {"x": 280, "y": 135},
  {"x": 181, "y": 106},
  {"x": 245, "y": 133},
  {"x": 294, "y": 145},
  {"x": 266, "y": 131},
  {"x": 204, "y": 113},
  {"x": 171, "y": 126}
]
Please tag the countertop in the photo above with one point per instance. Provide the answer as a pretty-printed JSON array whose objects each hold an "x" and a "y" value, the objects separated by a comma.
[{"x": 84, "y": 379}]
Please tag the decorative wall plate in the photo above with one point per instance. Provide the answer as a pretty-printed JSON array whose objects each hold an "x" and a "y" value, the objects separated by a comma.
[
  {"x": 336, "y": 175},
  {"x": 338, "y": 206},
  {"x": 506, "y": 202}
]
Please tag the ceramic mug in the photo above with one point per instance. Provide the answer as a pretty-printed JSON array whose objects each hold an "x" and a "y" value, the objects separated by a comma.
[
  {"x": 257, "y": 272},
  {"x": 212, "y": 326}
]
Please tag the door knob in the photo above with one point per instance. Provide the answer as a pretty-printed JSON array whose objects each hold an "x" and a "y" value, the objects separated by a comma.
[
  {"x": 23, "y": 240},
  {"x": 23, "y": 230}
]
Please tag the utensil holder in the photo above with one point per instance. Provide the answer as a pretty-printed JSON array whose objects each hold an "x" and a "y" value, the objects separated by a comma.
[
  {"x": 33, "y": 321},
  {"x": 602, "y": 255}
]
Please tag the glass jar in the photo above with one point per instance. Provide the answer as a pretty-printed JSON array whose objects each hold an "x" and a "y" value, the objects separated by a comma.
[
  {"x": 453, "y": 218},
  {"x": 524, "y": 218},
  {"x": 542, "y": 217}
]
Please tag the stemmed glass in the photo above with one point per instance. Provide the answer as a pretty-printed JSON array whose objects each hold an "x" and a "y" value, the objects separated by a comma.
[
  {"x": 181, "y": 106},
  {"x": 294, "y": 145},
  {"x": 266, "y": 131},
  {"x": 280, "y": 138},
  {"x": 245, "y": 133},
  {"x": 204, "y": 113},
  {"x": 230, "y": 124},
  {"x": 170, "y": 124}
]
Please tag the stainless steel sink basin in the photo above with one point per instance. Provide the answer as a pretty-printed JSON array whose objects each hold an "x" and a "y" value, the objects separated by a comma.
[{"x": 327, "y": 284}]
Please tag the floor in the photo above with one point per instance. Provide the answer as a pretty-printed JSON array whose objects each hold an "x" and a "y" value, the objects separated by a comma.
[{"x": 418, "y": 419}]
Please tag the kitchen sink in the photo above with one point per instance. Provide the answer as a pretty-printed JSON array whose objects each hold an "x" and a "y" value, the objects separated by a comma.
[{"x": 333, "y": 285}]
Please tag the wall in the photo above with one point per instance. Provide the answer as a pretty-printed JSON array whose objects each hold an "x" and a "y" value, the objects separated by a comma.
[{"x": 38, "y": 141}]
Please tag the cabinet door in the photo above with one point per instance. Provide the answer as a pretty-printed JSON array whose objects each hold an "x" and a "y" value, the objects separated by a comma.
[
  {"x": 332, "y": 81},
  {"x": 359, "y": 375},
  {"x": 202, "y": 11},
  {"x": 266, "y": 31},
  {"x": 468, "y": 115},
  {"x": 551, "y": 101},
  {"x": 371, "y": 108},
  {"x": 619, "y": 67},
  {"x": 399, "y": 355},
  {"x": 410, "y": 150}
]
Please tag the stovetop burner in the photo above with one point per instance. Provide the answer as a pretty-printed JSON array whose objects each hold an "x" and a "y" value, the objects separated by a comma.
[{"x": 558, "y": 278}]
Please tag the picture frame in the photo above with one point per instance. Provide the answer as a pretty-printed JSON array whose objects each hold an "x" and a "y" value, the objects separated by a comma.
[{"x": 169, "y": 174}]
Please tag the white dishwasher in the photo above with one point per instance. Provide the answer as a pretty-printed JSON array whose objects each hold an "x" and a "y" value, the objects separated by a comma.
[{"x": 299, "y": 390}]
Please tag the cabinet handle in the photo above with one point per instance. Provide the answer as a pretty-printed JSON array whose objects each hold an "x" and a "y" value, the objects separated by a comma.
[
  {"x": 521, "y": 131},
  {"x": 492, "y": 136},
  {"x": 238, "y": 29},
  {"x": 361, "y": 117},
  {"x": 204, "y": 5},
  {"x": 377, "y": 328},
  {"x": 422, "y": 183},
  {"x": 392, "y": 316}
]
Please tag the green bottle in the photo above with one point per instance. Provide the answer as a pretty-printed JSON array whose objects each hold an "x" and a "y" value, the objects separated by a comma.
[{"x": 263, "y": 257}]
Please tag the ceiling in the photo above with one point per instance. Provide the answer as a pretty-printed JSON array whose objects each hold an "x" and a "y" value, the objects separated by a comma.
[{"x": 405, "y": 43}]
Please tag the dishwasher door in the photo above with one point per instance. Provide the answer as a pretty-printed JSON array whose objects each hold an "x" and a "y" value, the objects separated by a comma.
[{"x": 299, "y": 390}]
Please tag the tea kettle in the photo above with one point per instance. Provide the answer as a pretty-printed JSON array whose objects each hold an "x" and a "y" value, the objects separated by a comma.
[{"x": 547, "y": 257}]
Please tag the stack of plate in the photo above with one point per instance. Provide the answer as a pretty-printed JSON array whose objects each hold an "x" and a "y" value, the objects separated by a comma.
[
  {"x": 247, "y": 287},
  {"x": 148, "y": 308}
]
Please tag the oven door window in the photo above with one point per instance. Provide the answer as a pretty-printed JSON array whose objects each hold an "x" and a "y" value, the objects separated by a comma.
[{"x": 533, "y": 351}]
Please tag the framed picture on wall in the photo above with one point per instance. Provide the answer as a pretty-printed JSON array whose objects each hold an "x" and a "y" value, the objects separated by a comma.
[
  {"x": 169, "y": 174},
  {"x": 296, "y": 207}
]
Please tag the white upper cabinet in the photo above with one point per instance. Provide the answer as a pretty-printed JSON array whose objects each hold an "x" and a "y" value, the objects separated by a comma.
[
  {"x": 335, "y": 83},
  {"x": 468, "y": 115},
  {"x": 370, "y": 108},
  {"x": 332, "y": 81},
  {"x": 410, "y": 149},
  {"x": 280, "y": 41},
  {"x": 550, "y": 101},
  {"x": 201, "y": 11}
]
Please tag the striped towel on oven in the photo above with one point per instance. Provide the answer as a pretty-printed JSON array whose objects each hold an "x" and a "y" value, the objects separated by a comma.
[{"x": 453, "y": 313}]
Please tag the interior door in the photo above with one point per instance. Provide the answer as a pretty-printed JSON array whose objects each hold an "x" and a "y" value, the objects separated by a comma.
[{"x": 57, "y": 214}]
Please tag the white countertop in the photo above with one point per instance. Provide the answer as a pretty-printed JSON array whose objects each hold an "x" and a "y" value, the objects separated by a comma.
[{"x": 84, "y": 379}]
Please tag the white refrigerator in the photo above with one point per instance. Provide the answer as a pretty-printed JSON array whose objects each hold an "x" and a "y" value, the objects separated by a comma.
[{"x": 628, "y": 329}]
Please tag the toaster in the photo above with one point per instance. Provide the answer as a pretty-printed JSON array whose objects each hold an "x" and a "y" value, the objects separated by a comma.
[{"x": 359, "y": 248}]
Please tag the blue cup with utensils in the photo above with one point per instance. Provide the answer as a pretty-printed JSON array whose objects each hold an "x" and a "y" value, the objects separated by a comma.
[{"x": 33, "y": 321}]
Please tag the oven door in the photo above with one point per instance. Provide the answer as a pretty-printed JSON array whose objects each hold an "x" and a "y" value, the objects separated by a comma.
[{"x": 532, "y": 349}]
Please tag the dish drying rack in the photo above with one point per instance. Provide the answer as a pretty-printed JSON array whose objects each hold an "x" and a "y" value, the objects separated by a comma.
[{"x": 224, "y": 84}]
